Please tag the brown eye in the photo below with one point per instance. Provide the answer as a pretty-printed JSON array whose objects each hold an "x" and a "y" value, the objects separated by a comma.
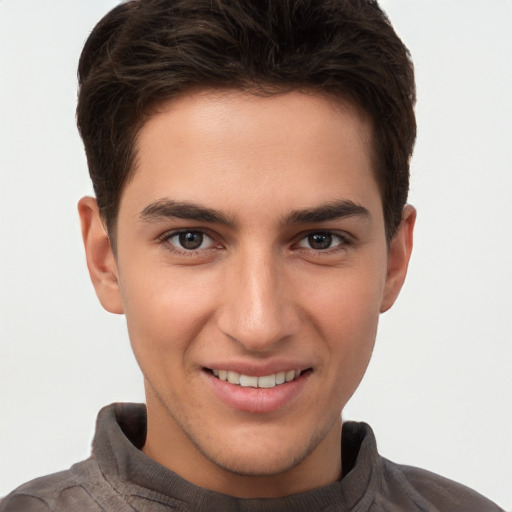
[
  {"x": 322, "y": 241},
  {"x": 189, "y": 241}
]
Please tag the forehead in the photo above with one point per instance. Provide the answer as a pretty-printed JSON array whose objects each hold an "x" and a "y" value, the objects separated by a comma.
[
  {"x": 298, "y": 113},
  {"x": 215, "y": 146}
]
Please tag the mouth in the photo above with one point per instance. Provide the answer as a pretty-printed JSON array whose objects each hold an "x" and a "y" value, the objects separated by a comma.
[
  {"x": 252, "y": 381},
  {"x": 258, "y": 394}
]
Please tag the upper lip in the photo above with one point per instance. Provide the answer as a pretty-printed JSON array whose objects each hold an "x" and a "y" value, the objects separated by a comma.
[{"x": 258, "y": 369}]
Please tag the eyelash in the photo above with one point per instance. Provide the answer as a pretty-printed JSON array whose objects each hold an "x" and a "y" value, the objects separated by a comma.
[
  {"x": 344, "y": 241},
  {"x": 166, "y": 238}
]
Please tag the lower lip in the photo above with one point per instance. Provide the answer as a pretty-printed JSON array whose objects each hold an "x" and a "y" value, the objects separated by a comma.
[{"x": 256, "y": 400}]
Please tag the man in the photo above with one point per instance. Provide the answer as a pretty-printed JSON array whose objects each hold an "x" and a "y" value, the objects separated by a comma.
[{"x": 250, "y": 163}]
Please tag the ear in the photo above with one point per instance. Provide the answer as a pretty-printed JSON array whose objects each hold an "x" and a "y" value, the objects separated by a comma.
[
  {"x": 100, "y": 258},
  {"x": 399, "y": 253}
]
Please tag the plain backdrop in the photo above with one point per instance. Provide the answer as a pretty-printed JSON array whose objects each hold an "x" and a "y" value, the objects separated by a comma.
[{"x": 438, "y": 392}]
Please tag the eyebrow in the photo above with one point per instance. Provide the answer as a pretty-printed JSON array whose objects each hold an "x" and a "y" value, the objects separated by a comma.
[
  {"x": 168, "y": 209},
  {"x": 330, "y": 211}
]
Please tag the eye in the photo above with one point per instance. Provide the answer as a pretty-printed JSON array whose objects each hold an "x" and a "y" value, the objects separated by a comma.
[
  {"x": 322, "y": 241},
  {"x": 189, "y": 240}
]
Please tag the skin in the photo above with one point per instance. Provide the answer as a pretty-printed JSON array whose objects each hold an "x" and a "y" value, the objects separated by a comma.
[{"x": 258, "y": 293}]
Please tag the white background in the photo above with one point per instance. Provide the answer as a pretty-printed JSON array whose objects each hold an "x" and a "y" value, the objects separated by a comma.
[{"x": 438, "y": 392}]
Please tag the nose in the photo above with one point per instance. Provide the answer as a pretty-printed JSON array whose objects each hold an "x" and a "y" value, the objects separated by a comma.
[{"x": 258, "y": 309}]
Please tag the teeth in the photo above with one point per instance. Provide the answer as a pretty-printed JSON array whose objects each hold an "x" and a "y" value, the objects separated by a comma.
[
  {"x": 268, "y": 381},
  {"x": 265, "y": 381},
  {"x": 290, "y": 375},
  {"x": 233, "y": 378},
  {"x": 247, "y": 381}
]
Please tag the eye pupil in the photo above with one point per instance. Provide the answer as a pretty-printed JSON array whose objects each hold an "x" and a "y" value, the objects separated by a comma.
[
  {"x": 191, "y": 239},
  {"x": 320, "y": 240}
]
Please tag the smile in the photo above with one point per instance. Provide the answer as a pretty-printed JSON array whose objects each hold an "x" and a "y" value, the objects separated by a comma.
[
  {"x": 257, "y": 394},
  {"x": 251, "y": 381}
]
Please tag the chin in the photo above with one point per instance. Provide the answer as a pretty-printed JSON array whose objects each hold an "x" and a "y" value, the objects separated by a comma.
[
  {"x": 257, "y": 465},
  {"x": 261, "y": 457}
]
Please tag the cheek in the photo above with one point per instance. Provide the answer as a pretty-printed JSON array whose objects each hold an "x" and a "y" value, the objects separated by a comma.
[
  {"x": 348, "y": 297},
  {"x": 345, "y": 311},
  {"x": 165, "y": 311}
]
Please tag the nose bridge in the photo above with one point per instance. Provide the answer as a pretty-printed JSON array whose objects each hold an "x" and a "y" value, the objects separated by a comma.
[{"x": 257, "y": 310}]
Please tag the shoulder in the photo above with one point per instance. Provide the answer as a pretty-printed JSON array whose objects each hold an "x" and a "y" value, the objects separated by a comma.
[
  {"x": 15, "y": 502},
  {"x": 430, "y": 491},
  {"x": 63, "y": 491}
]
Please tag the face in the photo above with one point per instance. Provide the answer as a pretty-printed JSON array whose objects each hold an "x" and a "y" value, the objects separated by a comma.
[{"x": 251, "y": 266}]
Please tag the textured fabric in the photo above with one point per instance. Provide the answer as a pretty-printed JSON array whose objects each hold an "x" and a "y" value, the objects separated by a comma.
[{"x": 119, "y": 477}]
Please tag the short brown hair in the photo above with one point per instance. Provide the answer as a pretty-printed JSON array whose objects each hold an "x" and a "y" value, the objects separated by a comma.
[{"x": 145, "y": 52}]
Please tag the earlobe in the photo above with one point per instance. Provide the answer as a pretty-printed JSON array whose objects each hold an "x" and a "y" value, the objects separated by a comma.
[
  {"x": 100, "y": 258},
  {"x": 398, "y": 257}
]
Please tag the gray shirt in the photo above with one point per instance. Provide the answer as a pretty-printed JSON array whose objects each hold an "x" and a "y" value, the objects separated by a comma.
[{"x": 119, "y": 477}]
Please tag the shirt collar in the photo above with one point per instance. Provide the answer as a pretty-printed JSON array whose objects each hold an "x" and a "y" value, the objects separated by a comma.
[{"x": 121, "y": 433}]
